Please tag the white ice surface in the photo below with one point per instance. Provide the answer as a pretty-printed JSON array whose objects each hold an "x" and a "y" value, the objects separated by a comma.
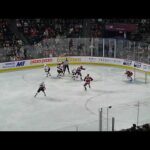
[{"x": 67, "y": 107}]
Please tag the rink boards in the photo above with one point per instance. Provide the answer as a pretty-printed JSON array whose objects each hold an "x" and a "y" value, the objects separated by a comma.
[{"x": 36, "y": 63}]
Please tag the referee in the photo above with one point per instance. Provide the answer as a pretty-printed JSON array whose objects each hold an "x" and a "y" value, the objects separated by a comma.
[{"x": 66, "y": 65}]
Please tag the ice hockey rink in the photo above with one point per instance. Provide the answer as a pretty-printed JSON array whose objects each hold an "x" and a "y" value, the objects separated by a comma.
[{"x": 67, "y": 106}]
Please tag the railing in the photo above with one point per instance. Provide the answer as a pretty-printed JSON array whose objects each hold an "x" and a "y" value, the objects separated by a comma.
[{"x": 115, "y": 48}]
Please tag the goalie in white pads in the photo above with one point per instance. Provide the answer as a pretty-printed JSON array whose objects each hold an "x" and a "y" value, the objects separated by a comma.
[
  {"x": 78, "y": 71},
  {"x": 74, "y": 73},
  {"x": 60, "y": 70},
  {"x": 41, "y": 88},
  {"x": 47, "y": 70}
]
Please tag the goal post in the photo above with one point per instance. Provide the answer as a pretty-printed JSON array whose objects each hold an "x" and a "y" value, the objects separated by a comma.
[
  {"x": 140, "y": 75},
  {"x": 145, "y": 77}
]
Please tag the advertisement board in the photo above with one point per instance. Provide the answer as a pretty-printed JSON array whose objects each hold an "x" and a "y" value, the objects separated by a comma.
[
  {"x": 137, "y": 64},
  {"x": 92, "y": 59},
  {"x": 8, "y": 65},
  {"x": 121, "y": 27},
  {"x": 70, "y": 59},
  {"x": 111, "y": 60},
  {"x": 127, "y": 62},
  {"x": 40, "y": 61},
  {"x": 74, "y": 59},
  {"x": 20, "y": 63}
]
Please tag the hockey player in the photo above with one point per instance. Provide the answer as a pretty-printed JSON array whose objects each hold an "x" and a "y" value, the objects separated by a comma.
[
  {"x": 41, "y": 88},
  {"x": 129, "y": 75},
  {"x": 87, "y": 80},
  {"x": 47, "y": 70},
  {"x": 74, "y": 73},
  {"x": 60, "y": 70},
  {"x": 78, "y": 71}
]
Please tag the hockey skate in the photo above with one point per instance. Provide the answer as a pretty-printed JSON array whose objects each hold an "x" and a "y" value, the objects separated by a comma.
[{"x": 85, "y": 88}]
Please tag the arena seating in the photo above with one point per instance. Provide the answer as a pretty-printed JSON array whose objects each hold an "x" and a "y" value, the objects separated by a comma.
[
  {"x": 38, "y": 30},
  {"x": 8, "y": 41}
]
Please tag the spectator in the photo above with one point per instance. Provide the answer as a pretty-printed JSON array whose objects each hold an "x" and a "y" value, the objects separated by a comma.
[
  {"x": 133, "y": 128},
  {"x": 46, "y": 34}
]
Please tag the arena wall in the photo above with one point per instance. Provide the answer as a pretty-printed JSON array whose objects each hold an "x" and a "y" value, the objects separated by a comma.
[{"x": 36, "y": 63}]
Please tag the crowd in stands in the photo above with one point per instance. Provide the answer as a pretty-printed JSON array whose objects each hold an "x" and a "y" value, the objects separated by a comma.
[
  {"x": 96, "y": 28},
  {"x": 38, "y": 30},
  {"x": 11, "y": 45},
  {"x": 5, "y": 34},
  {"x": 145, "y": 127},
  {"x": 143, "y": 26}
]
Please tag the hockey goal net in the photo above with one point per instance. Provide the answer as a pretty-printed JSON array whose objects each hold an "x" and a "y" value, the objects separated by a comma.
[{"x": 140, "y": 76}]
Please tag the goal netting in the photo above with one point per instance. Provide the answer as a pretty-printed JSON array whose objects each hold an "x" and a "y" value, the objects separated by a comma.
[{"x": 140, "y": 76}]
